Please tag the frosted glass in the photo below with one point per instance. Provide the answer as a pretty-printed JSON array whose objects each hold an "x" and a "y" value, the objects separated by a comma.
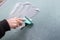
[{"x": 24, "y": 9}]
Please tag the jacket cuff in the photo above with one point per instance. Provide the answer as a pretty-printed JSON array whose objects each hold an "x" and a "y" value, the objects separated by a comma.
[{"x": 5, "y": 25}]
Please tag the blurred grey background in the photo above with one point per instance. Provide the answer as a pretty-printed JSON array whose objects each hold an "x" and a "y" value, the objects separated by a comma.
[{"x": 46, "y": 22}]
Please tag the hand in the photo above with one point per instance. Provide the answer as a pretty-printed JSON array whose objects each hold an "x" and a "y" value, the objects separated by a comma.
[{"x": 15, "y": 22}]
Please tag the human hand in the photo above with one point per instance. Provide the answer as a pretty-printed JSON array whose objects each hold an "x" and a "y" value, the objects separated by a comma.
[{"x": 15, "y": 22}]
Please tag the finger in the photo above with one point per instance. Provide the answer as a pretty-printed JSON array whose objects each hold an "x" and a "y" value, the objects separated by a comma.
[
  {"x": 15, "y": 26},
  {"x": 19, "y": 18},
  {"x": 19, "y": 22}
]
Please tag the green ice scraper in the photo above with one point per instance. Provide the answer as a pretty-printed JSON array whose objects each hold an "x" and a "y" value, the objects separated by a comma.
[{"x": 28, "y": 22}]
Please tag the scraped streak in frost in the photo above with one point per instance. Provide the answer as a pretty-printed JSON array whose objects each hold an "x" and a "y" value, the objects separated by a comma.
[{"x": 24, "y": 9}]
